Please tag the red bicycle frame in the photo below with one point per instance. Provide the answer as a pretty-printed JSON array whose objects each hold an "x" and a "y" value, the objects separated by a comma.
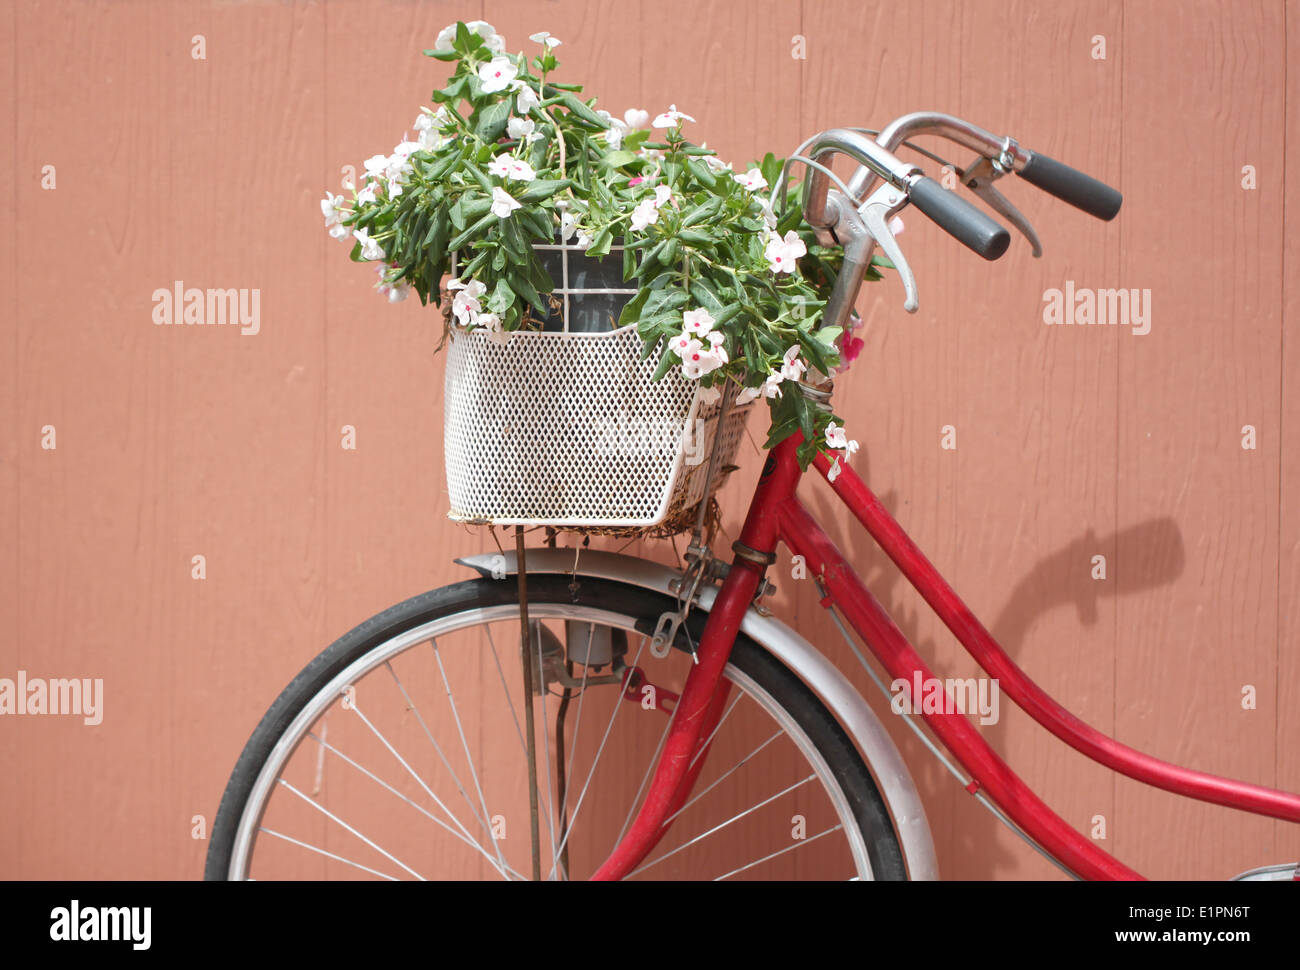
[{"x": 776, "y": 515}]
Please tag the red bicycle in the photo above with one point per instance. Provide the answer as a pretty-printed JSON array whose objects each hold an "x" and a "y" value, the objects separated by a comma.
[{"x": 668, "y": 725}]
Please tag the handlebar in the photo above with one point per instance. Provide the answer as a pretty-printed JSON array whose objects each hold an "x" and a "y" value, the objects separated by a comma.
[{"x": 857, "y": 217}]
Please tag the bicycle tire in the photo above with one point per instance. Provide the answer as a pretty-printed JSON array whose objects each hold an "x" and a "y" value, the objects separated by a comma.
[{"x": 861, "y": 807}]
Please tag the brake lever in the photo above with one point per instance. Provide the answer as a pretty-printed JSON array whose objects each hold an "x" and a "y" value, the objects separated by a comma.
[
  {"x": 979, "y": 178},
  {"x": 881, "y": 206}
]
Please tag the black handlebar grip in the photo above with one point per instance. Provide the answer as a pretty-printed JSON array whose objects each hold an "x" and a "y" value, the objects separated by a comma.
[
  {"x": 959, "y": 218},
  {"x": 1072, "y": 186}
]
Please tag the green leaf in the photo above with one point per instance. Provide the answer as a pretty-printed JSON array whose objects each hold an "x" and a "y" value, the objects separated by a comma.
[
  {"x": 443, "y": 55},
  {"x": 665, "y": 365},
  {"x": 542, "y": 189},
  {"x": 631, "y": 312},
  {"x": 492, "y": 120},
  {"x": 526, "y": 289},
  {"x": 502, "y": 297},
  {"x": 479, "y": 176},
  {"x": 705, "y": 210},
  {"x": 705, "y": 297},
  {"x": 472, "y": 231},
  {"x": 771, "y": 168},
  {"x": 600, "y": 245},
  {"x": 582, "y": 110},
  {"x": 618, "y": 159},
  {"x": 696, "y": 238}
]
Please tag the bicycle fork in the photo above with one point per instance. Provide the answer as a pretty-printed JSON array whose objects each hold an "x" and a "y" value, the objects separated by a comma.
[{"x": 705, "y": 693}]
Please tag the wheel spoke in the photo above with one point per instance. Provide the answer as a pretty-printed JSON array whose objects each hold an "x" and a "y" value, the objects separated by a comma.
[
  {"x": 717, "y": 781},
  {"x": 331, "y": 855},
  {"x": 773, "y": 855},
  {"x": 334, "y": 818},
  {"x": 464, "y": 744},
  {"x": 468, "y": 840},
  {"x": 721, "y": 826},
  {"x": 595, "y": 761},
  {"x": 411, "y": 706},
  {"x": 414, "y": 774}
]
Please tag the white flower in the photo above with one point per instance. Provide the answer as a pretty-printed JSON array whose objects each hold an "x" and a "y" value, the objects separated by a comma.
[
  {"x": 697, "y": 363},
  {"x": 399, "y": 166},
  {"x": 716, "y": 165},
  {"x": 636, "y": 118},
  {"x": 495, "y": 42},
  {"x": 698, "y": 322},
  {"x": 769, "y": 217},
  {"x": 684, "y": 344},
  {"x": 369, "y": 248},
  {"x": 783, "y": 254},
  {"x": 771, "y": 387},
  {"x": 497, "y": 74},
  {"x": 367, "y": 194},
  {"x": 397, "y": 292},
  {"x": 835, "y": 437},
  {"x": 544, "y": 38},
  {"x": 583, "y": 240},
  {"x": 331, "y": 208},
  {"x": 568, "y": 226},
  {"x": 428, "y": 129},
  {"x": 375, "y": 166},
  {"x": 645, "y": 214},
  {"x": 524, "y": 129},
  {"x": 614, "y": 135},
  {"x": 792, "y": 368},
  {"x": 465, "y": 304},
  {"x": 492, "y": 324},
  {"x": 672, "y": 118},
  {"x": 508, "y": 167},
  {"x": 717, "y": 341},
  {"x": 431, "y": 140},
  {"x": 503, "y": 203},
  {"x": 752, "y": 180},
  {"x": 663, "y": 194},
  {"x": 527, "y": 99}
]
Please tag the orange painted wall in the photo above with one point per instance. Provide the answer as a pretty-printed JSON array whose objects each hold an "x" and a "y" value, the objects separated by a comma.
[{"x": 1072, "y": 442}]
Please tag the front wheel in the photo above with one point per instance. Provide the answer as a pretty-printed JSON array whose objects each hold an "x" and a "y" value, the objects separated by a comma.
[{"x": 400, "y": 753}]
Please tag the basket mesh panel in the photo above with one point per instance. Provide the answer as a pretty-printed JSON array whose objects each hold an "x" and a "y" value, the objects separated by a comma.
[{"x": 559, "y": 429}]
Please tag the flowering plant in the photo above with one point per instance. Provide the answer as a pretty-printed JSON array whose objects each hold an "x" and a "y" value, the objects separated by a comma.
[{"x": 729, "y": 288}]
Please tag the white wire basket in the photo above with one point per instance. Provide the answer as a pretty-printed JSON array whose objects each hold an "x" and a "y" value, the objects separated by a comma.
[
  {"x": 569, "y": 430},
  {"x": 564, "y": 426}
]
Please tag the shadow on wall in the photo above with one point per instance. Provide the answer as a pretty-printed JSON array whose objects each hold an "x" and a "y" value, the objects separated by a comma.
[{"x": 1153, "y": 555}]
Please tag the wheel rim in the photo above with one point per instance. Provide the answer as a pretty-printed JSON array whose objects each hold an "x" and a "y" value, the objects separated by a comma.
[{"x": 475, "y": 828}]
